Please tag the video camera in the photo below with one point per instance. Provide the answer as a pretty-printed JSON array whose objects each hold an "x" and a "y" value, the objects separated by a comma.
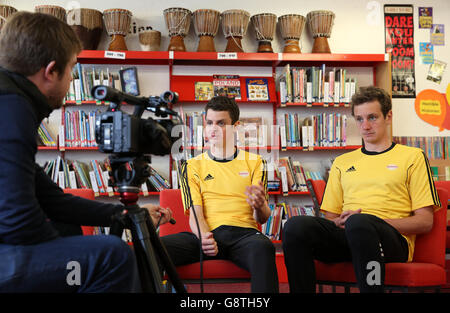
[
  {"x": 128, "y": 137},
  {"x": 119, "y": 132}
]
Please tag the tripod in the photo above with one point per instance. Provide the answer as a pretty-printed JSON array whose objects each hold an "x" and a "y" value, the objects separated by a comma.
[{"x": 147, "y": 246}]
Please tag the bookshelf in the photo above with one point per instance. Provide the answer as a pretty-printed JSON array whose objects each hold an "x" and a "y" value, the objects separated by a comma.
[
  {"x": 183, "y": 84},
  {"x": 178, "y": 66}
]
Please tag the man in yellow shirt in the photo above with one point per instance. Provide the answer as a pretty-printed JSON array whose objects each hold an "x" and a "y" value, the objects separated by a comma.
[
  {"x": 377, "y": 199},
  {"x": 227, "y": 189}
]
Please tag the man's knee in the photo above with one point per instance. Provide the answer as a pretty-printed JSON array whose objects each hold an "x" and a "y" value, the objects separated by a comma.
[
  {"x": 118, "y": 251},
  {"x": 358, "y": 221},
  {"x": 262, "y": 247},
  {"x": 298, "y": 229},
  {"x": 359, "y": 226}
]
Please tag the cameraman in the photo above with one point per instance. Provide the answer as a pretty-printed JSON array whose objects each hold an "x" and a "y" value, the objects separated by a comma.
[{"x": 37, "y": 54}]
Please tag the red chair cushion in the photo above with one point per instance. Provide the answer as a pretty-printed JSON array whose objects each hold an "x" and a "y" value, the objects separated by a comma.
[
  {"x": 447, "y": 242},
  {"x": 335, "y": 272},
  {"x": 414, "y": 274},
  {"x": 212, "y": 269},
  {"x": 397, "y": 274},
  {"x": 430, "y": 247}
]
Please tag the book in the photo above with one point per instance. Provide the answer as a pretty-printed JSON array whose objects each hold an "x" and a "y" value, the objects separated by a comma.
[
  {"x": 227, "y": 85},
  {"x": 257, "y": 89},
  {"x": 204, "y": 91}
]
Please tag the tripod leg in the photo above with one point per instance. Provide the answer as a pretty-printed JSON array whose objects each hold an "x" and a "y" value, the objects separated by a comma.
[
  {"x": 145, "y": 253},
  {"x": 165, "y": 259}
]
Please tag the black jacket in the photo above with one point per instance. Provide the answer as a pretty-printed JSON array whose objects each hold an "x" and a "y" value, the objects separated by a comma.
[{"x": 28, "y": 197}]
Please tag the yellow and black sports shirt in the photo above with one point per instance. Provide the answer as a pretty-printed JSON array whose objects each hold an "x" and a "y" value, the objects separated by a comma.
[
  {"x": 390, "y": 184},
  {"x": 218, "y": 186}
]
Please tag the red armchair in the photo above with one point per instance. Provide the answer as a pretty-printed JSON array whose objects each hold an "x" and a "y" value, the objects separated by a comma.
[
  {"x": 213, "y": 270},
  {"x": 446, "y": 185},
  {"x": 87, "y": 194},
  {"x": 426, "y": 271}
]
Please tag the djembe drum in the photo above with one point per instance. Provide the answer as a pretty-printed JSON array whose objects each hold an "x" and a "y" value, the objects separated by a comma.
[
  {"x": 117, "y": 24},
  {"x": 54, "y": 10},
  {"x": 206, "y": 24},
  {"x": 178, "y": 21},
  {"x": 234, "y": 26},
  {"x": 88, "y": 25},
  {"x": 291, "y": 27},
  {"x": 5, "y": 12},
  {"x": 265, "y": 25},
  {"x": 150, "y": 40},
  {"x": 321, "y": 23}
]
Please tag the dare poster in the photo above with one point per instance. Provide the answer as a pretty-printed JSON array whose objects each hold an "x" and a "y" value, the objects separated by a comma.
[{"x": 399, "y": 32}]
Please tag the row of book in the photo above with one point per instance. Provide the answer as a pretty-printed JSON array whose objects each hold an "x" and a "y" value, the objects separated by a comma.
[
  {"x": 315, "y": 84},
  {"x": 79, "y": 128},
  {"x": 321, "y": 130},
  {"x": 434, "y": 147},
  {"x": 280, "y": 213},
  {"x": 195, "y": 122},
  {"x": 45, "y": 137},
  {"x": 85, "y": 77},
  {"x": 293, "y": 176},
  {"x": 230, "y": 86},
  {"x": 94, "y": 175}
]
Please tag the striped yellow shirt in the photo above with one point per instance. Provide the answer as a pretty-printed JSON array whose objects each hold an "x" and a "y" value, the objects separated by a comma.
[
  {"x": 390, "y": 184},
  {"x": 219, "y": 186}
]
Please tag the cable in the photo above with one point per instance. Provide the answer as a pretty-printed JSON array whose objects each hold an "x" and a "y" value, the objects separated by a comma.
[
  {"x": 183, "y": 173},
  {"x": 191, "y": 206}
]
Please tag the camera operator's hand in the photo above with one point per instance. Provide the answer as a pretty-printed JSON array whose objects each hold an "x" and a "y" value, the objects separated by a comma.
[{"x": 156, "y": 211}]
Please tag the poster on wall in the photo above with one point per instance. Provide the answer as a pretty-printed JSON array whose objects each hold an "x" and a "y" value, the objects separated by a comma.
[
  {"x": 425, "y": 17},
  {"x": 399, "y": 34},
  {"x": 436, "y": 71},
  {"x": 426, "y": 53},
  {"x": 437, "y": 35}
]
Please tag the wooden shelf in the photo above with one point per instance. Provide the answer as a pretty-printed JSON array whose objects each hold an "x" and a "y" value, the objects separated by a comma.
[
  {"x": 279, "y": 148},
  {"x": 229, "y": 59},
  {"x": 322, "y": 148},
  {"x": 45, "y": 148},
  {"x": 314, "y": 104},
  {"x": 85, "y": 102},
  {"x": 290, "y": 193},
  {"x": 79, "y": 148},
  {"x": 131, "y": 57},
  {"x": 116, "y": 194}
]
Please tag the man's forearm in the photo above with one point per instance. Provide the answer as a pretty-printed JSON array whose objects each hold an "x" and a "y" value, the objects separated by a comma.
[
  {"x": 261, "y": 215},
  {"x": 409, "y": 225},
  {"x": 204, "y": 228}
]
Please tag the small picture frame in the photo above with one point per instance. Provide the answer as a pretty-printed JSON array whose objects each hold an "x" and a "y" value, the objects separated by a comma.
[{"x": 129, "y": 81}]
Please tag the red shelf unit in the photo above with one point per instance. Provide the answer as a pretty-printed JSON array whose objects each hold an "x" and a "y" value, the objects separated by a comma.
[
  {"x": 45, "y": 148},
  {"x": 185, "y": 87},
  {"x": 130, "y": 57},
  {"x": 314, "y": 104},
  {"x": 324, "y": 148},
  {"x": 229, "y": 59},
  {"x": 80, "y": 148}
]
